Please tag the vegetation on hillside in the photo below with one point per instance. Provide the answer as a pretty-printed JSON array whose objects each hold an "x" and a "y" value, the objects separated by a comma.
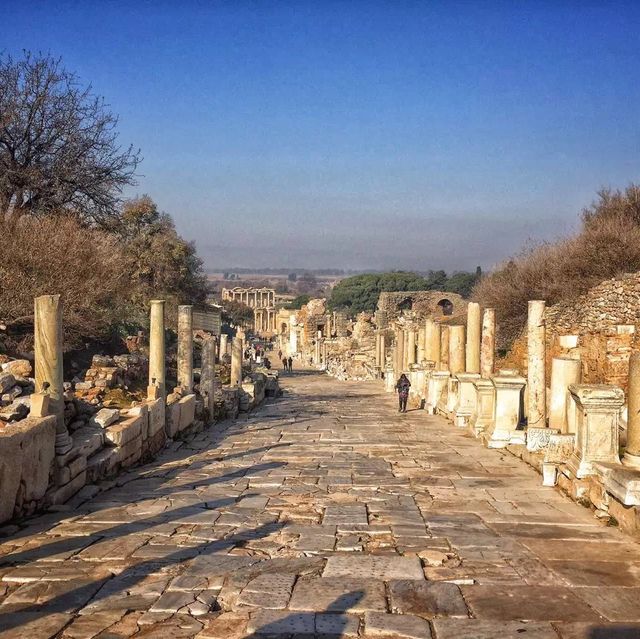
[
  {"x": 361, "y": 292},
  {"x": 607, "y": 245}
]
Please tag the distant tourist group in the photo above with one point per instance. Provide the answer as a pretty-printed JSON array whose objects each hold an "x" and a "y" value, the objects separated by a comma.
[{"x": 287, "y": 363}]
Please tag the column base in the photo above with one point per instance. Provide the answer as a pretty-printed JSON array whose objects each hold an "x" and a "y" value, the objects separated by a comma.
[
  {"x": 64, "y": 443},
  {"x": 631, "y": 460}
]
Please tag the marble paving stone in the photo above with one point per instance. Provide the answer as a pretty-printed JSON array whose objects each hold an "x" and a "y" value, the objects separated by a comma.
[
  {"x": 428, "y": 599},
  {"x": 597, "y": 573},
  {"x": 338, "y": 594},
  {"x": 336, "y": 625},
  {"x": 383, "y": 625},
  {"x": 615, "y": 604},
  {"x": 272, "y": 622},
  {"x": 481, "y": 629},
  {"x": 534, "y": 603},
  {"x": 374, "y": 567},
  {"x": 600, "y": 630}
]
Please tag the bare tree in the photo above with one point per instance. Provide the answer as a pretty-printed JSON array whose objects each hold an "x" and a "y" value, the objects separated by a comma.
[{"x": 58, "y": 143}]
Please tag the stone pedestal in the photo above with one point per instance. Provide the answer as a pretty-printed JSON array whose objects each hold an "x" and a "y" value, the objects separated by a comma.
[
  {"x": 389, "y": 379},
  {"x": 597, "y": 439},
  {"x": 436, "y": 387},
  {"x": 472, "y": 358},
  {"x": 466, "y": 399},
  {"x": 432, "y": 345},
  {"x": 488, "y": 344},
  {"x": 564, "y": 372},
  {"x": 453, "y": 396},
  {"x": 456, "y": 350},
  {"x": 185, "y": 348},
  {"x": 482, "y": 415},
  {"x": 208, "y": 375},
  {"x": 237, "y": 348},
  {"x": 157, "y": 346},
  {"x": 417, "y": 377},
  {"x": 536, "y": 382},
  {"x": 507, "y": 409},
  {"x": 48, "y": 359},
  {"x": 632, "y": 453},
  {"x": 444, "y": 348},
  {"x": 557, "y": 453}
]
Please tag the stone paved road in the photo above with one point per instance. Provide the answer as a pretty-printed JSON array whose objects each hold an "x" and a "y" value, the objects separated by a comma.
[{"x": 324, "y": 514}]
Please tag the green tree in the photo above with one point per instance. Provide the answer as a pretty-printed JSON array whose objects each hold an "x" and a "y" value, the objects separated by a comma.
[{"x": 161, "y": 263}]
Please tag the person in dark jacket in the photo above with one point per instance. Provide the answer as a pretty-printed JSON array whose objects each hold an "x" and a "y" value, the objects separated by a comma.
[
  {"x": 402, "y": 386},
  {"x": 290, "y": 362}
]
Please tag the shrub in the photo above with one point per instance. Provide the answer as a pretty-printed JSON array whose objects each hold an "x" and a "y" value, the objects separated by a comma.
[
  {"x": 607, "y": 245},
  {"x": 53, "y": 255}
]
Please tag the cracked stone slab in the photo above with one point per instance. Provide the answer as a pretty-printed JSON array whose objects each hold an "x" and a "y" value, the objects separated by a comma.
[
  {"x": 428, "y": 599},
  {"x": 374, "y": 567}
]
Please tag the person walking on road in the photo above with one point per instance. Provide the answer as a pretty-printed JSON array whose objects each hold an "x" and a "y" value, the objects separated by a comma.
[
  {"x": 402, "y": 386},
  {"x": 290, "y": 362},
  {"x": 284, "y": 364}
]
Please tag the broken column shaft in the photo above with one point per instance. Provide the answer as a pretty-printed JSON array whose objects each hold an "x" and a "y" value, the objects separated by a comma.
[
  {"x": 185, "y": 348},
  {"x": 48, "y": 360}
]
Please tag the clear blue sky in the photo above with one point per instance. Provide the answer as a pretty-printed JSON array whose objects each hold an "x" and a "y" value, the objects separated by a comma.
[{"x": 360, "y": 134}]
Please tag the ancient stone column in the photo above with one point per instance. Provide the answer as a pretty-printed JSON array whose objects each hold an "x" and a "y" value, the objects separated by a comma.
[
  {"x": 444, "y": 347},
  {"x": 185, "y": 347},
  {"x": 432, "y": 341},
  {"x": 411, "y": 347},
  {"x": 632, "y": 452},
  {"x": 237, "y": 348},
  {"x": 383, "y": 351},
  {"x": 456, "y": 350},
  {"x": 399, "y": 353},
  {"x": 156, "y": 346},
  {"x": 224, "y": 341},
  {"x": 536, "y": 382},
  {"x": 48, "y": 360},
  {"x": 472, "y": 359},
  {"x": 421, "y": 345},
  {"x": 488, "y": 345},
  {"x": 564, "y": 371},
  {"x": 208, "y": 374}
]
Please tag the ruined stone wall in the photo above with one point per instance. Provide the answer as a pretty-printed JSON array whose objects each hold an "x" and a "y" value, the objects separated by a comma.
[
  {"x": 601, "y": 309},
  {"x": 435, "y": 304},
  {"x": 606, "y": 323}
]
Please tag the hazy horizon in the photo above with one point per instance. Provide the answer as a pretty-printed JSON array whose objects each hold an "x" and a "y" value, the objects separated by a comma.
[{"x": 360, "y": 135}]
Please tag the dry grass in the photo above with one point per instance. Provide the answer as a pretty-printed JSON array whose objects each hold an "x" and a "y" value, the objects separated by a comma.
[
  {"x": 57, "y": 255},
  {"x": 608, "y": 245}
]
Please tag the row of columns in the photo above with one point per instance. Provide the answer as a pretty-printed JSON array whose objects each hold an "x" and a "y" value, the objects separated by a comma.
[
  {"x": 449, "y": 347},
  {"x": 255, "y": 298},
  {"x": 264, "y": 319}
]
